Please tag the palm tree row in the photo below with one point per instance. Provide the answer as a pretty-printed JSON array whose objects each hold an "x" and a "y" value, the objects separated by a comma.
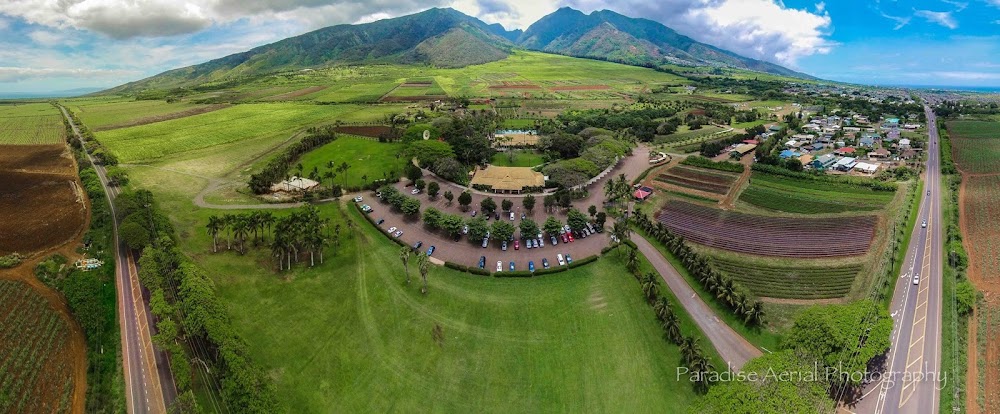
[
  {"x": 238, "y": 228},
  {"x": 694, "y": 358},
  {"x": 303, "y": 231},
  {"x": 616, "y": 189},
  {"x": 724, "y": 288}
]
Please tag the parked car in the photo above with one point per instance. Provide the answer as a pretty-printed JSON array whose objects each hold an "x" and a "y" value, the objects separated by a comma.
[
  {"x": 380, "y": 221},
  {"x": 527, "y": 243},
  {"x": 417, "y": 245},
  {"x": 486, "y": 242},
  {"x": 366, "y": 208},
  {"x": 415, "y": 191},
  {"x": 497, "y": 216},
  {"x": 570, "y": 237},
  {"x": 474, "y": 212},
  {"x": 924, "y": 224},
  {"x": 392, "y": 229},
  {"x": 482, "y": 262},
  {"x": 559, "y": 258},
  {"x": 517, "y": 244},
  {"x": 398, "y": 233},
  {"x": 564, "y": 238},
  {"x": 465, "y": 229},
  {"x": 503, "y": 246},
  {"x": 499, "y": 266},
  {"x": 568, "y": 259},
  {"x": 545, "y": 263},
  {"x": 553, "y": 240},
  {"x": 567, "y": 228},
  {"x": 523, "y": 216},
  {"x": 540, "y": 241},
  {"x": 430, "y": 251},
  {"x": 591, "y": 228},
  {"x": 358, "y": 199},
  {"x": 511, "y": 216},
  {"x": 531, "y": 266},
  {"x": 511, "y": 266},
  {"x": 487, "y": 216},
  {"x": 379, "y": 195}
]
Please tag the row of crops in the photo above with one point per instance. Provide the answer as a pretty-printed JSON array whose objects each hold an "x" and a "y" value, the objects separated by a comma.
[
  {"x": 976, "y": 145},
  {"x": 790, "y": 282},
  {"x": 30, "y": 124},
  {"x": 982, "y": 204},
  {"x": 793, "y": 195},
  {"x": 35, "y": 371},
  {"x": 712, "y": 181}
]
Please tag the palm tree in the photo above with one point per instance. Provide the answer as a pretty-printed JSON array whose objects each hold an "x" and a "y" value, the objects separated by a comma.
[
  {"x": 278, "y": 249},
  {"x": 266, "y": 221},
  {"x": 404, "y": 255},
  {"x": 240, "y": 229},
  {"x": 703, "y": 365},
  {"x": 649, "y": 286},
  {"x": 632, "y": 260},
  {"x": 755, "y": 314},
  {"x": 672, "y": 327},
  {"x": 690, "y": 349},
  {"x": 661, "y": 308},
  {"x": 423, "y": 263},
  {"x": 214, "y": 226}
]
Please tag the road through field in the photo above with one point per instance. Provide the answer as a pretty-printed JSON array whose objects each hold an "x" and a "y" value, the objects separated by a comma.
[
  {"x": 149, "y": 383},
  {"x": 911, "y": 382},
  {"x": 733, "y": 348}
]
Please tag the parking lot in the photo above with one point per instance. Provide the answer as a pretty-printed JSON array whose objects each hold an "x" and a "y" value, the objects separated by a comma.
[{"x": 468, "y": 252}]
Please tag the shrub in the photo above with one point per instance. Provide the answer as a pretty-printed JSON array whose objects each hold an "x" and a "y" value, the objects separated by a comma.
[{"x": 10, "y": 260}]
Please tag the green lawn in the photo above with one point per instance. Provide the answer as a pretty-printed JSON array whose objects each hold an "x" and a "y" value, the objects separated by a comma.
[
  {"x": 367, "y": 157},
  {"x": 30, "y": 124},
  {"x": 522, "y": 158}
]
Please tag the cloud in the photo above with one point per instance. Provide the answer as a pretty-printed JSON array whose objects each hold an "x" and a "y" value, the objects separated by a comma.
[
  {"x": 18, "y": 74},
  {"x": 959, "y": 6},
  {"x": 760, "y": 29},
  {"x": 4, "y": 23},
  {"x": 967, "y": 76},
  {"x": 820, "y": 7},
  {"x": 942, "y": 18},
  {"x": 901, "y": 22},
  {"x": 125, "y": 19}
]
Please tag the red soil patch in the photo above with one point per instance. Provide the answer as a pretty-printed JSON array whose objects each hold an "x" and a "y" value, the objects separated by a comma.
[
  {"x": 581, "y": 88},
  {"x": 422, "y": 98},
  {"x": 371, "y": 131},
  {"x": 295, "y": 94},
  {"x": 165, "y": 117},
  {"x": 770, "y": 236}
]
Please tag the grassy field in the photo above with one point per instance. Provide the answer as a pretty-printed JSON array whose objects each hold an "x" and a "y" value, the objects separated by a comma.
[
  {"x": 522, "y": 158},
  {"x": 367, "y": 158},
  {"x": 102, "y": 112},
  {"x": 810, "y": 197},
  {"x": 34, "y": 374},
  {"x": 30, "y": 124},
  {"x": 976, "y": 145}
]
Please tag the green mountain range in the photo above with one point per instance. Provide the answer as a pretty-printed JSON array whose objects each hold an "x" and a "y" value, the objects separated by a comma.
[{"x": 448, "y": 38}]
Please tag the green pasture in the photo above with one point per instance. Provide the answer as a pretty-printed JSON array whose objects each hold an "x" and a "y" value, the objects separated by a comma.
[{"x": 369, "y": 160}]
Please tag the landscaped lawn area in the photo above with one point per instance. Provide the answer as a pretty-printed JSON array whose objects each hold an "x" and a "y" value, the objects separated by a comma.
[
  {"x": 352, "y": 336},
  {"x": 373, "y": 159},
  {"x": 522, "y": 158}
]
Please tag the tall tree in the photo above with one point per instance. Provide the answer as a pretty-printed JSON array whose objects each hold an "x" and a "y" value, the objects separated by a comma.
[
  {"x": 448, "y": 196},
  {"x": 424, "y": 264},
  {"x": 528, "y": 202},
  {"x": 404, "y": 256},
  {"x": 214, "y": 226},
  {"x": 464, "y": 200}
]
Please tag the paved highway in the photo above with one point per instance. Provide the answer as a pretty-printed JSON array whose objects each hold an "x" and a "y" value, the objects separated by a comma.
[
  {"x": 148, "y": 381},
  {"x": 912, "y": 384}
]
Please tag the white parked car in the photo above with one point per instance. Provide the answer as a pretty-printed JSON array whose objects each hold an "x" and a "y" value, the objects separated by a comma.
[
  {"x": 392, "y": 229},
  {"x": 499, "y": 266},
  {"x": 511, "y": 216},
  {"x": 415, "y": 191},
  {"x": 358, "y": 199},
  {"x": 559, "y": 257}
]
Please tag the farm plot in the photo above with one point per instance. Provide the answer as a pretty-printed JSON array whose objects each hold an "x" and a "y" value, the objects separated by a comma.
[
  {"x": 103, "y": 114},
  {"x": 30, "y": 124},
  {"x": 811, "y": 197},
  {"x": 225, "y": 126},
  {"x": 36, "y": 370},
  {"x": 787, "y": 282},
  {"x": 702, "y": 179},
  {"x": 769, "y": 236},
  {"x": 982, "y": 214},
  {"x": 976, "y": 146}
]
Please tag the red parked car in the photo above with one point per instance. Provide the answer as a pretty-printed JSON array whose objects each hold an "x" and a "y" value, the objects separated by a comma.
[
  {"x": 517, "y": 244},
  {"x": 570, "y": 236}
]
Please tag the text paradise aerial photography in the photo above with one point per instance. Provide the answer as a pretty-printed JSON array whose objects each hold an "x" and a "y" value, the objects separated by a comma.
[{"x": 510, "y": 206}]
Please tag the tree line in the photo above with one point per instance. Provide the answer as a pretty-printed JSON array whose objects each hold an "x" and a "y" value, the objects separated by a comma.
[{"x": 277, "y": 169}]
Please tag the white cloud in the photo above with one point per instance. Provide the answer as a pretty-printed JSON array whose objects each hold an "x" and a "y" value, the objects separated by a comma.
[
  {"x": 820, "y": 7},
  {"x": 760, "y": 29},
  {"x": 942, "y": 18},
  {"x": 17, "y": 74},
  {"x": 47, "y": 38},
  {"x": 4, "y": 23},
  {"x": 901, "y": 22}
]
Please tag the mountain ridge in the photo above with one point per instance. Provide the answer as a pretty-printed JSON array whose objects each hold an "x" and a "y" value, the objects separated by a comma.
[{"x": 445, "y": 37}]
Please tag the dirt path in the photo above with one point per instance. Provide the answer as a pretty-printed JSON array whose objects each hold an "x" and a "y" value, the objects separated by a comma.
[
  {"x": 972, "y": 370},
  {"x": 737, "y": 187}
]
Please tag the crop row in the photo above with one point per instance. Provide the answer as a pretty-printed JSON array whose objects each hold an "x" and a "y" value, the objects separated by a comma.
[
  {"x": 769, "y": 236},
  {"x": 811, "y": 197},
  {"x": 982, "y": 200},
  {"x": 693, "y": 184},
  {"x": 32, "y": 350},
  {"x": 791, "y": 282},
  {"x": 31, "y": 130}
]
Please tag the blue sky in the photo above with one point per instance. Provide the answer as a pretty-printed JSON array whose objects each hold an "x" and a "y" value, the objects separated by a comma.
[{"x": 48, "y": 45}]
